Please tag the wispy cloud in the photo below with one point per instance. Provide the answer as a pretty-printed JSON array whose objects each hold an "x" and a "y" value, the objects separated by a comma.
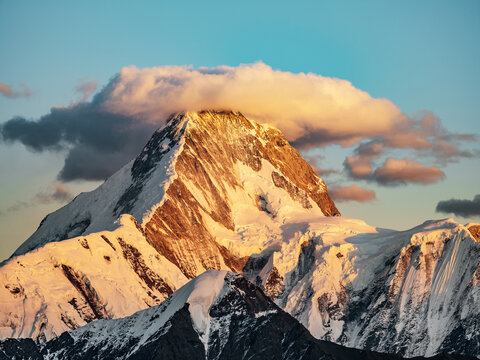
[
  {"x": 314, "y": 162},
  {"x": 19, "y": 205},
  {"x": 55, "y": 193},
  {"x": 9, "y": 92},
  {"x": 464, "y": 208},
  {"x": 86, "y": 87}
]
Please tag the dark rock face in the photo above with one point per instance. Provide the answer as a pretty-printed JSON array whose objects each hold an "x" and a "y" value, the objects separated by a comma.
[
  {"x": 150, "y": 277},
  {"x": 94, "y": 309},
  {"x": 294, "y": 192},
  {"x": 475, "y": 231},
  {"x": 19, "y": 349},
  {"x": 274, "y": 284}
]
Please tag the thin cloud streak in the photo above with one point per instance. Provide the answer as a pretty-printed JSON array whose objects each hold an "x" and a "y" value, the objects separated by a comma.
[
  {"x": 351, "y": 193},
  {"x": 55, "y": 193}
]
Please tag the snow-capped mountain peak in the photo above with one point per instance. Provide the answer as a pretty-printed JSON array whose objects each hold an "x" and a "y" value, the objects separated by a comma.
[
  {"x": 214, "y": 190},
  {"x": 213, "y": 154},
  {"x": 207, "y": 191}
]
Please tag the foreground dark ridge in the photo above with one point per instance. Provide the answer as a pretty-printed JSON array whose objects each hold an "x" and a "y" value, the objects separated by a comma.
[{"x": 218, "y": 315}]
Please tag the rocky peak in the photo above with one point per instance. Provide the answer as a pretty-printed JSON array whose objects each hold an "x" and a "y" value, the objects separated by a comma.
[
  {"x": 227, "y": 164},
  {"x": 226, "y": 137},
  {"x": 474, "y": 230},
  {"x": 204, "y": 148},
  {"x": 207, "y": 191}
]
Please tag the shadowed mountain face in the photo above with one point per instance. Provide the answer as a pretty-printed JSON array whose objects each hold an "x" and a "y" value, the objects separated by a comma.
[
  {"x": 218, "y": 315},
  {"x": 214, "y": 190}
]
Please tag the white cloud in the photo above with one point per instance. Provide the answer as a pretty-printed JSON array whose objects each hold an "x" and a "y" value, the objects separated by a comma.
[{"x": 298, "y": 104}]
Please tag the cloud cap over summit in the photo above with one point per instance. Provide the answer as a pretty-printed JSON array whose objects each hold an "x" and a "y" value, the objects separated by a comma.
[{"x": 310, "y": 109}]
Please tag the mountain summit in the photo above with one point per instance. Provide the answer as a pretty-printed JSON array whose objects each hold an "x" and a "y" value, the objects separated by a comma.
[
  {"x": 215, "y": 164},
  {"x": 207, "y": 191}
]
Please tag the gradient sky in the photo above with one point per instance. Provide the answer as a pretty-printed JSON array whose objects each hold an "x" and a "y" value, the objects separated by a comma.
[{"x": 418, "y": 54}]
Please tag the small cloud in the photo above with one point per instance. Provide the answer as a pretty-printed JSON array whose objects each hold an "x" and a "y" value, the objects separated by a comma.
[
  {"x": 9, "y": 92},
  {"x": 58, "y": 193},
  {"x": 19, "y": 205},
  {"x": 463, "y": 208},
  {"x": 86, "y": 87},
  {"x": 313, "y": 161},
  {"x": 358, "y": 167},
  {"x": 393, "y": 172},
  {"x": 351, "y": 193},
  {"x": 398, "y": 172}
]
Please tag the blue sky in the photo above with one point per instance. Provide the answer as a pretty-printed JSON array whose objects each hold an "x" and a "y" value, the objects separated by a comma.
[{"x": 418, "y": 54}]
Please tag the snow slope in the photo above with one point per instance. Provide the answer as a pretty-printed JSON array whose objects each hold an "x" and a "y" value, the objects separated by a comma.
[
  {"x": 98, "y": 210},
  {"x": 412, "y": 292},
  {"x": 64, "y": 285}
]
